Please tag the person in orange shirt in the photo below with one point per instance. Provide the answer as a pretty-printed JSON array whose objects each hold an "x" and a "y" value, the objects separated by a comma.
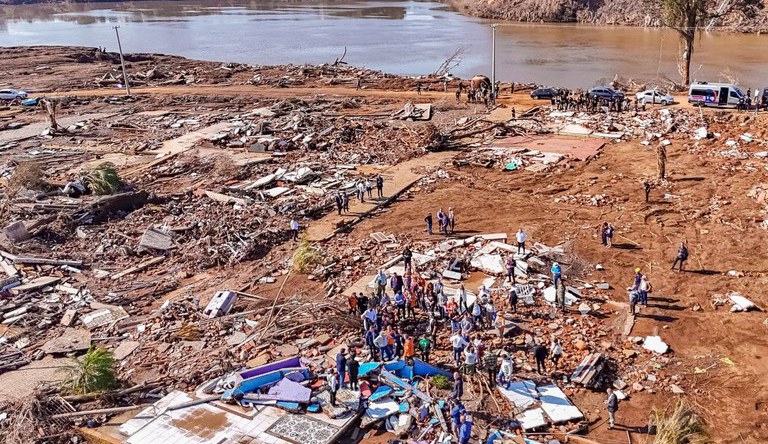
[
  {"x": 409, "y": 350},
  {"x": 412, "y": 301},
  {"x": 352, "y": 301}
]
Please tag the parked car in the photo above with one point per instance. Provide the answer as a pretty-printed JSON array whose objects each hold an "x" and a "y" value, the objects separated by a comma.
[
  {"x": 655, "y": 96},
  {"x": 544, "y": 93},
  {"x": 604, "y": 92},
  {"x": 12, "y": 94}
]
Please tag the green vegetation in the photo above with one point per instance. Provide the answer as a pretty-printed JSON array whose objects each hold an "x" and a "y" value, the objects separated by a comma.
[
  {"x": 440, "y": 382},
  {"x": 94, "y": 372},
  {"x": 103, "y": 179}
]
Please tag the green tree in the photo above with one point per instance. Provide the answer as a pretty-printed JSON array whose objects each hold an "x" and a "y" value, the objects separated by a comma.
[
  {"x": 685, "y": 17},
  {"x": 93, "y": 372}
]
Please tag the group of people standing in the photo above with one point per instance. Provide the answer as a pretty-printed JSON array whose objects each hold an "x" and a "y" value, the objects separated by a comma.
[
  {"x": 446, "y": 221},
  {"x": 363, "y": 187}
]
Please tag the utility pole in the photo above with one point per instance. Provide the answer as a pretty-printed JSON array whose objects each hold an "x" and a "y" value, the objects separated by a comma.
[
  {"x": 122, "y": 62},
  {"x": 493, "y": 59}
]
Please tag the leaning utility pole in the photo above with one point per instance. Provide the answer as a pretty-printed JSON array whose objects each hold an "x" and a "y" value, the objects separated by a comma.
[
  {"x": 122, "y": 62},
  {"x": 493, "y": 59}
]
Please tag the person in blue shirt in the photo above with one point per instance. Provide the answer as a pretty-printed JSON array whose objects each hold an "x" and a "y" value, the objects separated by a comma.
[
  {"x": 400, "y": 305},
  {"x": 456, "y": 412},
  {"x": 381, "y": 283},
  {"x": 465, "y": 431},
  {"x": 557, "y": 273}
]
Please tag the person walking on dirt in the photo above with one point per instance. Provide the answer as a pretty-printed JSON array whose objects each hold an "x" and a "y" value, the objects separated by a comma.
[
  {"x": 644, "y": 288},
  {"x": 612, "y": 405},
  {"x": 491, "y": 366},
  {"x": 295, "y": 229},
  {"x": 428, "y": 220},
  {"x": 520, "y": 236},
  {"x": 458, "y": 94},
  {"x": 604, "y": 234},
  {"x": 358, "y": 83},
  {"x": 609, "y": 236},
  {"x": 361, "y": 191},
  {"x": 458, "y": 385},
  {"x": 339, "y": 203},
  {"x": 380, "y": 186},
  {"x": 451, "y": 219},
  {"x": 540, "y": 353},
  {"x": 418, "y": 88},
  {"x": 369, "y": 188},
  {"x": 345, "y": 202},
  {"x": 682, "y": 256},
  {"x": 557, "y": 352}
]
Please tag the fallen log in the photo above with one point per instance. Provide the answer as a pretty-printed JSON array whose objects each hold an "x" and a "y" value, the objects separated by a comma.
[{"x": 99, "y": 411}]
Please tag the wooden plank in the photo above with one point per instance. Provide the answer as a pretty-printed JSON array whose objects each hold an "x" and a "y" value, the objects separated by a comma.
[
  {"x": 142, "y": 266},
  {"x": 223, "y": 198},
  {"x": 34, "y": 284},
  {"x": 45, "y": 261}
]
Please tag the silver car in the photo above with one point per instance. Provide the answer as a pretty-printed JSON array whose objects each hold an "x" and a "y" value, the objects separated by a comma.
[
  {"x": 654, "y": 96},
  {"x": 12, "y": 94}
]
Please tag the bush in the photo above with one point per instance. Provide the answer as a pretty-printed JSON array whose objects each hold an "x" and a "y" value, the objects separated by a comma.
[
  {"x": 94, "y": 372},
  {"x": 103, "y": 179},
  {"x": 26, "y": 175},
  {"x": 440, "y": 382},
  {"x": 306, "y": 258},
  {"x": 680, "y": 426}
]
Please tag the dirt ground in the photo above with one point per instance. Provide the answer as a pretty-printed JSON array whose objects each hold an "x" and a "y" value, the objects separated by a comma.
[{"x": 704, "y": 202}]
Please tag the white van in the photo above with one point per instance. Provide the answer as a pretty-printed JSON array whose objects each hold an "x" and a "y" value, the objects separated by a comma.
[{"x": 720, "y": 95}]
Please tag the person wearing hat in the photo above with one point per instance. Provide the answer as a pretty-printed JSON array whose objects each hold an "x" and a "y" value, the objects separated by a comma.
[{"x": 557, "y": 273}]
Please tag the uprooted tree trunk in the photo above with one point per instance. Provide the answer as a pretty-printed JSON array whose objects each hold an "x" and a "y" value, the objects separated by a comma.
[
  {"x": 661, "y": 160},
  {"x": 50, "y": 108}
]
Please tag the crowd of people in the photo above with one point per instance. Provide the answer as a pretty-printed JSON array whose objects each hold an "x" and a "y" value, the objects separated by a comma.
[{"x": 408, "y": 316}]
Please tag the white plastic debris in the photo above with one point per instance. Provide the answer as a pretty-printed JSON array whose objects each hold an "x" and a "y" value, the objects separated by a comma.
[
  {"x": 740, "y": 303},
  {"x": 655, "y": 344}
]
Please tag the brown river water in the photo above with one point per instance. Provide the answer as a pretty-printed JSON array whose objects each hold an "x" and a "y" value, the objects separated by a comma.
[{"x": 402, "y": 37}]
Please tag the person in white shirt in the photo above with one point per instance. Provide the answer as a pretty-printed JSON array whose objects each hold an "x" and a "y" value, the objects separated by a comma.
[
  {"x": 557, "y": 351},
  {"x": 295, "y": 229},
  {"x": 506, "y": 371},
  {"x": 477, "y": 314},
  {"x": 520, "y": 236},
  {"x": 458, "y": 343},
  {"x": 470, "y": 360}
]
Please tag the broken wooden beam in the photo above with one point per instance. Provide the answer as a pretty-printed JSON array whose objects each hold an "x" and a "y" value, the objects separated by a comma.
[{"x": 142, "y": 266}]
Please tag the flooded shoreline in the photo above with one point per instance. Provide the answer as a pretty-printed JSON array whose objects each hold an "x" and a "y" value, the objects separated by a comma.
[{"x": 402, "y": 37}]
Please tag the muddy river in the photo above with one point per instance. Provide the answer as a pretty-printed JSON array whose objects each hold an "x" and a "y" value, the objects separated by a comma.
[{"x": 404, "y": 37}]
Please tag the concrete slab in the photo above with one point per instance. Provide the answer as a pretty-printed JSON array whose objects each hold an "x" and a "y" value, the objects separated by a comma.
[{"x": 557, "y": 406}]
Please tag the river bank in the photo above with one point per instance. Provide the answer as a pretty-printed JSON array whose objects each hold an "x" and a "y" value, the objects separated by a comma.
[
  {"x": 372, "y": 33},
  {"x": 752, "y": 19},
  {"x": 217, "y": 158}
]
